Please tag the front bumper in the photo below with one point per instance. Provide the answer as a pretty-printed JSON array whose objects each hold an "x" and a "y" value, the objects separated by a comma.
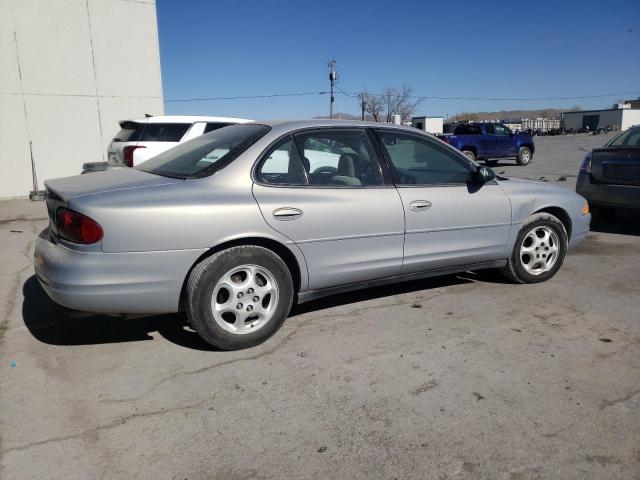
[
  {"x": 579, "y": 229},
  {"x": 132, "y": 282},
  {"x": 621, "y": 196}
]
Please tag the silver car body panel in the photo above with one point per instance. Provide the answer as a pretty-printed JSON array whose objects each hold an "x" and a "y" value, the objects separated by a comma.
[
  {"x": 346, "y": 234},
  {"x": 156, "y": 228},
  {"x": 527, "y": 197},
  {"x": 459, "y": 225},
  {"x": 131, "y": 282}
]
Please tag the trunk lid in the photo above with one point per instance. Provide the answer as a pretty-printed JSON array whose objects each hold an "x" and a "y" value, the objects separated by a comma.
[
  {"x": 616, "y": 166},
  {"x": 64, "y": 189}
]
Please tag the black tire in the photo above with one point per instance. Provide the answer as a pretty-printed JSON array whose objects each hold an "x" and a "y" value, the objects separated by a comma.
[
  {"x": 514, "y": 269},
  {"x": 524, "y": 156},
  {"x": 470, "y": 154},
  {"x": 203, "y": 280}
]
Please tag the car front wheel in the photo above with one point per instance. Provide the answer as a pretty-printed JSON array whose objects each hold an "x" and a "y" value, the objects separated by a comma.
[
  {"x": 539, "y": 250},
  {"x": 239, "y": 297}
]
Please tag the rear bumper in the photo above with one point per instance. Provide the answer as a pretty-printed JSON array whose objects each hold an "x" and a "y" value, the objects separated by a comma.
[
  {"x": 622, "y": 196},
  {"x": 134, "y": 282},
  {"x": 579, "y": 229}
]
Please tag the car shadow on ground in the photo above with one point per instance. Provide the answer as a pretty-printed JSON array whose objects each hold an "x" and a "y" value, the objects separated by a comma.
[
  {"x": 53, "y": 324},
  {"x": 56, "y": 325},
  {"x": 623, "y": 222}
]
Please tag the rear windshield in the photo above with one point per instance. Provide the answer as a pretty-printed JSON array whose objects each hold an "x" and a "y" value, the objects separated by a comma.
[
  {"x": 211, "y": 126},
  {"x": 468, "y": 130},
  {"x": 206, "y": 154},
  {"x": 630, "y": 138},
  {"x": 151, "y": 132}
]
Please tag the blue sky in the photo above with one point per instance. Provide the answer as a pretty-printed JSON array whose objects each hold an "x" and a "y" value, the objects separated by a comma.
[{"x": 488, "y": 49}]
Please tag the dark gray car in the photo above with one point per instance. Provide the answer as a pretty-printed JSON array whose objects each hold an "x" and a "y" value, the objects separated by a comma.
[
  {"x": 609, "y": 177},
  {"x": 234, "y": 226}
]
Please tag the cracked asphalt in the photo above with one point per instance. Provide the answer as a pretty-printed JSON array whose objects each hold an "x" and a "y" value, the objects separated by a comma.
[{"x": 459, "y": 377}]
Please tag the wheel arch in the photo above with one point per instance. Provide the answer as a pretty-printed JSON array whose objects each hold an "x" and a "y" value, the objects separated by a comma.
[
  {"x": 471, "y": 148},
  {"x": 561, "y": 214},
  {"x": 529, "y": 146},
  {"x": 280, "y": 249}
]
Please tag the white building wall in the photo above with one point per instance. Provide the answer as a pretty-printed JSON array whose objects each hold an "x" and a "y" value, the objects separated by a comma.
[
  {"x": 630, "y": 118},
  {"x": 428, "y": 124},
  {"x": 69, "y": 70}
]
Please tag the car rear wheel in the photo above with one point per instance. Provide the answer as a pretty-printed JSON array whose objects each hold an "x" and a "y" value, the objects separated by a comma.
[
  {"x": 470, "y": 154},
  {"x": 539, "y": 250},
  {"x": 524, "y": 156},
  {"x": 239, "y": 297}
]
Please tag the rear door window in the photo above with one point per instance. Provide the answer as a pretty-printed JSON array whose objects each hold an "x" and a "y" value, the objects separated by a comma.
[
  {"x": 282, "y": 166},
  {"x": 468, "y": 130},
  {"x": 339, "y": 158}
]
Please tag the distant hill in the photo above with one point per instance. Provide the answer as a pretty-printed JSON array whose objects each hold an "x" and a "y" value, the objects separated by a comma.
[{"x": 514, "y": 115}]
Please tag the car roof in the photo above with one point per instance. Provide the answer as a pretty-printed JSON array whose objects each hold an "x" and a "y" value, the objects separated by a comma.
[
  {"x": 299, "y": 124},
  {"x": 186, "y": 119}
]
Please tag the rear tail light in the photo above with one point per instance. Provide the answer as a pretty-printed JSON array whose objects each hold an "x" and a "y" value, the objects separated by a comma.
[
  {"x": 77, "y": 228},
  {"x": 127, "y": 154},
  {"x": 586, "y": 164},
  {"x": 445, "y": 139}
]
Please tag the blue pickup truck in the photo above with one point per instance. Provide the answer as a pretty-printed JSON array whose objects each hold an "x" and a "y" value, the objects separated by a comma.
[{"x": 491, "y": 142}]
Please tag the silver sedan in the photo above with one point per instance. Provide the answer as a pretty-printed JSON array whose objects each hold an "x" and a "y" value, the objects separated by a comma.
[{"x": 234, "y": 226}]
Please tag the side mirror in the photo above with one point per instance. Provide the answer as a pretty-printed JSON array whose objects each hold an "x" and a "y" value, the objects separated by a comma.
[{"x": 485, "y": 174}]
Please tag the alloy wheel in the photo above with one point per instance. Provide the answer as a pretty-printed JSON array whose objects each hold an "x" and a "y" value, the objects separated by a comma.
[
  {"x": 244, "y": 299},
  {"x": 539, "y": 250}
]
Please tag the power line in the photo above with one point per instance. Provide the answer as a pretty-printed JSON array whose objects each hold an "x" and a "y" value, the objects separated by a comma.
[
  {"x": 421, "y": 97},
  {"x": 244, "y": 97},
  {"x": 434, "y": 97}
]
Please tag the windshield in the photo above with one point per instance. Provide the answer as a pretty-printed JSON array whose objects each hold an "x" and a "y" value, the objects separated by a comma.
[
  {"x": 630, "y": 138},
  {"x": 205, "y": 154}
]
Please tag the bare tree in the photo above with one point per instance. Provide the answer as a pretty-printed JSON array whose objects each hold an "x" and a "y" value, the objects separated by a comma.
[
  {"x": 399, "y": 102},
  {"x": 372, "y": 104},
  {"x": 392, "y": 101}
]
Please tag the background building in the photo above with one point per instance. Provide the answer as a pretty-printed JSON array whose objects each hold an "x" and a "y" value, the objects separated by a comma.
[
  {"x": 620, "y": 117},
  {"x": 428, "y": 124},
  {"x": 69, "y": 70},
  {"x": 542, "y": 124}
]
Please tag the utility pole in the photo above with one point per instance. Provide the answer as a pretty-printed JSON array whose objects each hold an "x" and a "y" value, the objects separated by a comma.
[
  {"x": 333, "y": 76},
  {"x": 364, "y": 107}
]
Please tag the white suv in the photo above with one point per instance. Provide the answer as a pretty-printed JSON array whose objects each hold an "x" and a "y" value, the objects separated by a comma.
[{"x": 139, "y": 140}]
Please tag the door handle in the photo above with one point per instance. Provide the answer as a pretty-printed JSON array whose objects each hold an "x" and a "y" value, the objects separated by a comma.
[
  {"x": 420, "y": 205},
  {"x": 287, "y": 213}
]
